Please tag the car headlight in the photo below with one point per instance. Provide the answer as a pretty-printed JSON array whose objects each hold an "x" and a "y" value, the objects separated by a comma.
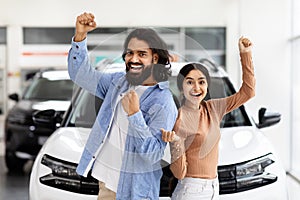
[
  {"x": 245, "y": 176},
  {"x": 64, "y": 177}
]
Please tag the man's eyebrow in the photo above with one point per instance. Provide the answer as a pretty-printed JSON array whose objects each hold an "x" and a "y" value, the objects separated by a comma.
[{"x": 139, "y": 51}]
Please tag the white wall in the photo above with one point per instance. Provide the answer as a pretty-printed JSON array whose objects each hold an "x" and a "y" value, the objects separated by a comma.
[{"x": 266, "y": 22}]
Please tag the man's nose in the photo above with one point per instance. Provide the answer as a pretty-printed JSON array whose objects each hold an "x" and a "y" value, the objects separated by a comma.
[{"x": 135, "y": 57}]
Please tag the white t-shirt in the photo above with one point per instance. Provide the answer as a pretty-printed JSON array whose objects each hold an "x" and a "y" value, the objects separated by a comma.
[{"x": 108, "y": 163}]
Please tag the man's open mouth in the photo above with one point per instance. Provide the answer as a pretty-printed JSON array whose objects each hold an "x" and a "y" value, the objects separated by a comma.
[{"x": 136, "y": 68}]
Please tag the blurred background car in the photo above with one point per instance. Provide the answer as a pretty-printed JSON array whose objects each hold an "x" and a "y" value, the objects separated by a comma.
[
  {"x": 248, "y": 167},
  {"x": 49, "y": 89}
]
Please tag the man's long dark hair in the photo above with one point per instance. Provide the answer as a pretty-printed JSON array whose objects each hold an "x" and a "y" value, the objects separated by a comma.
[{"x": 161, "y": 71}]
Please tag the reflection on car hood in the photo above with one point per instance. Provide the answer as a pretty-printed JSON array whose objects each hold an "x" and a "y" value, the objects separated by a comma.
[
  {"x": 42, "y": 105},
  {"x": 66, "y": 143},
  {"x": 56, "y": 105},
  {"x": 241, "y": 144}
]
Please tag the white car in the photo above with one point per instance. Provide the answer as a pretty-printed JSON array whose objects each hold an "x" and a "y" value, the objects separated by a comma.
[{"x": 249, "y": 168}]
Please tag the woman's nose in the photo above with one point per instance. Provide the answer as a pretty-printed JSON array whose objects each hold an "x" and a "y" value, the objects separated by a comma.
[{"x": 197, "y": 86}]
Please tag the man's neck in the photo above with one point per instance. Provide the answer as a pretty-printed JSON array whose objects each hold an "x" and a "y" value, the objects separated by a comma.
[{"x": 150, "y": 81}]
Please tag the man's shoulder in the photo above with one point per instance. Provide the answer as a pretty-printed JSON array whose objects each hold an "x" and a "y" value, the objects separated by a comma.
[
  {"x": 113, "y": 75},
  {"x": 118, "y": 74},
  {"x": 164, "y": 96}
]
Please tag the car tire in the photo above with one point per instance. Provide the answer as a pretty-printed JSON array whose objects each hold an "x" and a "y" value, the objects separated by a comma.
[{"x": 13, "y": 163}]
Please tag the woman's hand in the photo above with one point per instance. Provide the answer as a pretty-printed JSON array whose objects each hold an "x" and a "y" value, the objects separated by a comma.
[
  {"x": 169, "y": 136},
  {"x": 245, "y": 45}
]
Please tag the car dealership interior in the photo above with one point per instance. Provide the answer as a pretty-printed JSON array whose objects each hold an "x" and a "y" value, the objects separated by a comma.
[{"x": 35, "y": 37}]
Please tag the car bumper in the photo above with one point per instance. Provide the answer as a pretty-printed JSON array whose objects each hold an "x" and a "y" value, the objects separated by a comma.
[
  {"x": 275, "y": 191},
  {"x": 23, "y": 142},
  {"x": 263, "y": 193}
]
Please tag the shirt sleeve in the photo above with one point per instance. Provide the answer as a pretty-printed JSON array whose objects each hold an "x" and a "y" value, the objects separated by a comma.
[
  {"x": 146, "y": 132},
  {"x": 178, "y": 159},
  {"x": 83, "y": 74}
]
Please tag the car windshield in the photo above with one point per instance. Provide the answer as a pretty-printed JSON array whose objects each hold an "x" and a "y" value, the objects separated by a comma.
[
  {"x": 86, "y": 106},
  {"x": 84, "y": 110},
  {"x": 49, "y": 89}
]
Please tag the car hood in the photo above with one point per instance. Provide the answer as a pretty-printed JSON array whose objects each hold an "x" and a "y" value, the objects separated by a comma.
[
  {"x": 236, "y": 145},
  {"x": 66, "y": 143},
  {"x": 27, "y": 105},
  {"x": 239, "y": 144}
]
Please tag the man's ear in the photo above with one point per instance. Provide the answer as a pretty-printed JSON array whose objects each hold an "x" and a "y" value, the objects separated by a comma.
[{"x": 155, "y": 58}]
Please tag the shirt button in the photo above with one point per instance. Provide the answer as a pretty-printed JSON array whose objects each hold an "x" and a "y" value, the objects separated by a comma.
[
  {"x": 77, "y": 46},
  {"x": 74, "y": 58}
]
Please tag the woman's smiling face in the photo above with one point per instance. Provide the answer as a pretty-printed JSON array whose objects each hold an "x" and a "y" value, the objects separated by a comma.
[{"x": 194, "y": 88}]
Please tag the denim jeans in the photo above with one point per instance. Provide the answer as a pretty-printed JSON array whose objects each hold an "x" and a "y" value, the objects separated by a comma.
[{"x": 196, "y": 188}]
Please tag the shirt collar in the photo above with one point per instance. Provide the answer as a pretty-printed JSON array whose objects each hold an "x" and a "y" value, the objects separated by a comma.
[{"x": 163, "y": 85}]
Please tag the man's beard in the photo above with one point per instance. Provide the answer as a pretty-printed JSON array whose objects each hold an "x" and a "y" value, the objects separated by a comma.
[{"x": 138, "y": 79}]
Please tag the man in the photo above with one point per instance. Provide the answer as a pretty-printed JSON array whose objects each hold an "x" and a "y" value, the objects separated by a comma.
[{"x": 124, "y": 147}]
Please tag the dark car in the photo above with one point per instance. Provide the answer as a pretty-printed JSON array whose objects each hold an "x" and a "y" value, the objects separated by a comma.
[{"x": 48, "y": 90}]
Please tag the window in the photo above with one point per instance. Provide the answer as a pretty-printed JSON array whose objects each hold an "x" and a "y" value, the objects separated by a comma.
[
  {"x": 188, "y": 43},
  {"x": 2, "y": 35},
  {"x": 295, "y": 73},
  {"x": 47, "y": 35},
  {"x": 2, "y": 65}
]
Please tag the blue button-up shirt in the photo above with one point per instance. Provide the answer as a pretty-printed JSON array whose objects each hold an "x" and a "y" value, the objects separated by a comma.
[{"x": 141, "y": 171}]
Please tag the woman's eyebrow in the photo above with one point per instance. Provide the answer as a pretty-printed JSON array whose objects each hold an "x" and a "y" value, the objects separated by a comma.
[{"x": 190, "y": 78}]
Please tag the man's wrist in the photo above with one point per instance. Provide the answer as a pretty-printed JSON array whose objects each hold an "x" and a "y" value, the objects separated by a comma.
[{"x": 79, "y": 37}]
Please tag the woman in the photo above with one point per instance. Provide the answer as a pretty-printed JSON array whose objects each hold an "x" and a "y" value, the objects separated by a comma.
[{"x": 194, "y": 141}]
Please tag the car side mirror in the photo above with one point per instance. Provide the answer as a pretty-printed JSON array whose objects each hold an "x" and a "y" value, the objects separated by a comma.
[
  {"x": 14, "y": 97},
  {"x": 266, "y": 119},
  {"x": 48, "y": 118}
]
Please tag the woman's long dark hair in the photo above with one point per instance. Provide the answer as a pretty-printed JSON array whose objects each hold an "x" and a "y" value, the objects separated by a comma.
[
  {"x": 185, "y": 70},
  {"x": 161, "y": 71}
]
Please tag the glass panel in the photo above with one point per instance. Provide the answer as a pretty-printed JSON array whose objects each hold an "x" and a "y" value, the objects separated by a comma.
[
  {"x": 108, "y": 30},
  {"x": 186, "y": 43},
  {"x": 1, "y": 92},
  {"x": 296, "y": 17},
  {"x": 85, "y": 110},
  {"x": 48, "y": 35},
  {"x": 2, "y": 35},
  {"x": 295, "y": 151},
  {"x": 211, "y": 39},
  {"x": 295, "y": 95},
  {"x": 50, "y": 88}
]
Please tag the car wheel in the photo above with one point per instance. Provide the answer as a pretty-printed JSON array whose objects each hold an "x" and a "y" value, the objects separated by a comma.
[{"x": 13, "y": 163}]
